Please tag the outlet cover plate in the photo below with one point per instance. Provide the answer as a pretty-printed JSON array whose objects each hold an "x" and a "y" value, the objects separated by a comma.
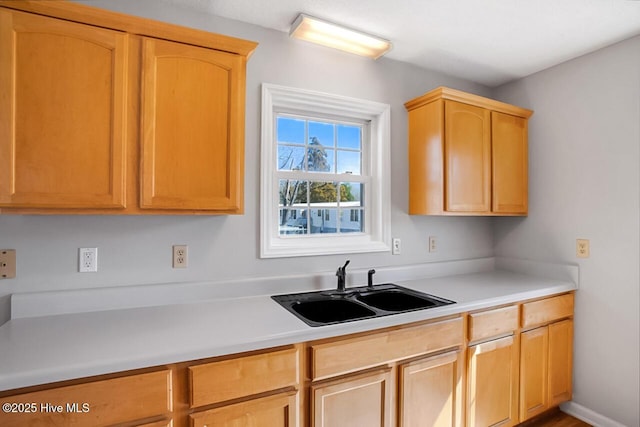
[
  {"x": 88, "y": 260},
  {"x": 180, "y": 256},
  {"x": 7, "y": 263}
]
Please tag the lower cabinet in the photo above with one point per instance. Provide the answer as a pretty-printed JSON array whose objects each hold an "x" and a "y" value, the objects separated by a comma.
[
  {"x": 258, "y": 390},
  {"x": 357, "y": 401},
  {"x": 134, "y": 399},
  {"x": 560, "y": 362},
  {"x": 408, "y": 376},
  {"x": 430, "y": 391},
  {"x": 492, "y": 367},
  {"x": 514, "y": 363},
  {"x": 492, "y": 398},
  {"x": 278, "y": 410},
  {"x": 546, "y": 360}
]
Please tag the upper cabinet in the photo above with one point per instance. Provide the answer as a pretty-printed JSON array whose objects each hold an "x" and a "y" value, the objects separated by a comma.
[
  {"x": 192, "y": 156},
  {"x": 62, "y": 113},
  {"x": 107, "y": 113},
  {"x": 467, "y": 155}
]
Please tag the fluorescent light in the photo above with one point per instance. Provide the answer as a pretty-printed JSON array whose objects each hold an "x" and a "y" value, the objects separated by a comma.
[{"x": 326, "y": 33}]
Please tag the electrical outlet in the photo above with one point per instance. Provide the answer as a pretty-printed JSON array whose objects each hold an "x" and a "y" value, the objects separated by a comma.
[
  {"x": 582, "y": 248},
  {"x": 88, "y": 260},
  {"x": 7, "y": 263},
  {"x": 396, "y": 246},
  {"x": 433, "y": 244},
  {"x": 179, "y": 256}
]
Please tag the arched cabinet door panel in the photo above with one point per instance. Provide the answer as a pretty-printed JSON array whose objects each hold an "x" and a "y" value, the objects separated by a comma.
[
  {"x": 192, "y": 128},
  {"x": 62, "y": 113}
]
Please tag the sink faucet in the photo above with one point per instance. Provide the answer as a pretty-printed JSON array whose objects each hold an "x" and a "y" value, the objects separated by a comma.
[
  {"x": 342, "y": 275},
  {"x": 370, "y": 274}
]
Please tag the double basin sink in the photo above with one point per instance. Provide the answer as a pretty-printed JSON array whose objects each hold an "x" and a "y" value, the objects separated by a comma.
[{"x": 328, "y": 307}]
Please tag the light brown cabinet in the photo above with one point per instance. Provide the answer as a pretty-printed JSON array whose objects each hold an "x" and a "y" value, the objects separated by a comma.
[
  {"x": 266, "y": 383},
  {"x": 546, "y": 355},
  {"x": 493, "y": 383},
  {"x": 128, "y": 399},
  {"x": 431, "y": 391},
  {"x": 360, "y": 400},
  {"x": 63, "y": 103},
  {"x": 467, "y": 155},
  {"x": 493, "y": 368},
  {"x": 381, "y": 378},
  {"x": 278, "y": 410},
  {"x": 112, "y": 114},
  {"x": 514, "y": 362},
  {"x": 192, "y": 128}
]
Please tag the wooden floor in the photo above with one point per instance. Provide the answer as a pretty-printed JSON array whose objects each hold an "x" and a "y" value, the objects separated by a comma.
[{"x": 557, "y": 419}]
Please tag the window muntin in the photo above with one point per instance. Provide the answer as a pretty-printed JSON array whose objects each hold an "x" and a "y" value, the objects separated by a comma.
[
  {"x": 308, "y": 146},
  {"x": 357, "y": 156}
]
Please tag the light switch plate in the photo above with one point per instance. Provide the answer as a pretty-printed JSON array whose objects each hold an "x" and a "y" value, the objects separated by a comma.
[{"x": 7, "y": 263}]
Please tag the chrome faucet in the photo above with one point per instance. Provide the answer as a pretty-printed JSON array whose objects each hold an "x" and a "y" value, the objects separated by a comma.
[{"x": 342, "y": 276}]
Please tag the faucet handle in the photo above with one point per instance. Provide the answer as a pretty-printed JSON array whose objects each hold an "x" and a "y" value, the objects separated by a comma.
[{"x": 345, "y": 264}]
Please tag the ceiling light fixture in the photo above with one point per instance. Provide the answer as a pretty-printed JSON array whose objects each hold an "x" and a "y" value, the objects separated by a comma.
[{"x": 326, "y": 33}]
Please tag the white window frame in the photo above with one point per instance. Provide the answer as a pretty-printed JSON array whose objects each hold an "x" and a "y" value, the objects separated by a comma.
[{"x": 377, "y": 200}]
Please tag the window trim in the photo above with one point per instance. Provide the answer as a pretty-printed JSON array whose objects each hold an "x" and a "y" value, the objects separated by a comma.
[{"x": 276, "y": 99}]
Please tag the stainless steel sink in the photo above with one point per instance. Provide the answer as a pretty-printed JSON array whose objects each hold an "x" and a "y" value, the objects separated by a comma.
[{"x": 329, "y": 307}]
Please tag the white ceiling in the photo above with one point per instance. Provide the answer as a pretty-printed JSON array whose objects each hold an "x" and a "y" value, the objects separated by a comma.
[{"x": 487, "y": 41}]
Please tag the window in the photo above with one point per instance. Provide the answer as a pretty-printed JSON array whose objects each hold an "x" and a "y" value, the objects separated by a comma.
[{"x": 325, "y": 183}]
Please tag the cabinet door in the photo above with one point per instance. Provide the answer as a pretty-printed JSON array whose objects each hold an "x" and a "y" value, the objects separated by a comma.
[
  {"x": 510, "y": 163},
  {"x": 192, "y": 128},
  {"x": 560, "y": 362},
  {"x": 492, "y": 398},
  {"x": 272, "y": 411},
  {"x": 533, "y": 372},
  {"x": 361, "y": 401},
  {"x": 430, "y": 392},
  {"x": 467, "y": 158},
  {"x": 62, "y": 113}
]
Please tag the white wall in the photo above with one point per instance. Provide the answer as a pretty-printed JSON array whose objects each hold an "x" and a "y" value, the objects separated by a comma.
[
  {"x": 137, "y": 250},
  {"x": 584, "y": 158}
]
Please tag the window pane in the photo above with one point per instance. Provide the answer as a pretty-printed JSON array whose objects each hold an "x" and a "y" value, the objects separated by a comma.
[
  {"x": 351, "y": 194},
  {"x": 292, "y": 193},
  {"x": 349, "y": 136},
  {"x": 290, "y": 157},
  {"x": 319, "y": 159},
  {"x": 349, "y": 162},
  {"x": 321, "y": 133},
  {"x": 290, "y": 131},
  {"x": 293, "y": 221},
  {"x": 323, "y": 194},
  {"x": 323, "y": 221},
  {"x": 351, "y": 221}
]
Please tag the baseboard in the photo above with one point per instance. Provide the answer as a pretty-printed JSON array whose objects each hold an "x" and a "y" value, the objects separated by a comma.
[{"x": 588, "y": 416}]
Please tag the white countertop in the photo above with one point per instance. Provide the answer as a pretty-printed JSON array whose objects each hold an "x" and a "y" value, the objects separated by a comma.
[{"x": 38, "y": 350}]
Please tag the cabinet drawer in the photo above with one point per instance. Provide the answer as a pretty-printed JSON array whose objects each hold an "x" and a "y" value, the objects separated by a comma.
[
  {"x": 493, "y": 323},
  {"x": 547, "y": 310},
  {"x": 244, "y": 376},
  {"x": 354, "y": 354},
  {"x": 97, "y": 403},
  {"x": 279, "y": 410}
]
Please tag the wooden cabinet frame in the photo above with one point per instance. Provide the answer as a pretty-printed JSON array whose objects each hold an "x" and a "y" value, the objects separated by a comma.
[
  {"x": 130, "y": 174},
  {"x": 467, "y": 155}
]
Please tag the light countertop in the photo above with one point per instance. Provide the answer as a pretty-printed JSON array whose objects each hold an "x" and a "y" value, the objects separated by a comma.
[{"x": 39, "y": 350}]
